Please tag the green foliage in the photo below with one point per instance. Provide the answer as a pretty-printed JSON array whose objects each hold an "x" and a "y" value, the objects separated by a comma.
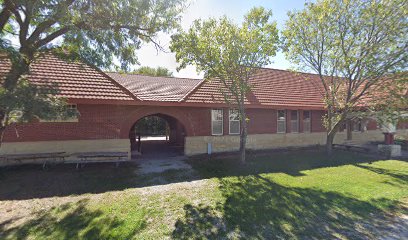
[
  {"x": 99, "y": 31},
  {"x": 354, "y": 46},
  {"x": 230, "y": 54},
  {"x": 227, "y": 52},
  {"x": 95, "y": 31},
  {"x": 154, "y": 72},
  {"x": 151, "y": 125}
]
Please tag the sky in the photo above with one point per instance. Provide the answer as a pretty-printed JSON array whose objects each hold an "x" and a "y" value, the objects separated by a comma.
[{"x": 233, "y": 9}]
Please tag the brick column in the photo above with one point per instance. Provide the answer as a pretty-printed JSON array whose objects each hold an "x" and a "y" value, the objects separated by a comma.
[
  {"x": 300, "y": 112},
  {"x": 288, "y": 129}
]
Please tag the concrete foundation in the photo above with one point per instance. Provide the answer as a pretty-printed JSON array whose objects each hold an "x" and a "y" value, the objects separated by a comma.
[
  {"x": 70, "y": 147},
  {"x": 390, "y": 150},
  {"x": 229, "y": 143}
]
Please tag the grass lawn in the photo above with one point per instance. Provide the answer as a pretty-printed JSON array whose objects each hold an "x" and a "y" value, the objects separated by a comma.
[{"x": 297, "y": 195}]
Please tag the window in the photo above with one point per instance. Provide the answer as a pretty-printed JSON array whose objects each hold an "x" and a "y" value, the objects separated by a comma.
[
  {"x": 234, "y": 124},
  {"x": 71, "y": 115},
  {"x": 217, "y": 121},
  {"x": 281, "y": 121},
  {"x": 294, "y": 121},
  {"x": 306, "y": 121},
  {"x": 356, "y": 125}
]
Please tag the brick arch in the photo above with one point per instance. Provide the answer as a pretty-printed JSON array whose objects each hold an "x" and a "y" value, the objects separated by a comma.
[{"x": 140, "y": 113}]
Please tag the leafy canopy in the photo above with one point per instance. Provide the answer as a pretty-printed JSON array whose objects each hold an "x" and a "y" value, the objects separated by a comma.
[
  {"x": 228, "y": 52},
  {"x": 154, "y": 72},
  {"x": 100, "y": 32},
  {"x": 354, "y": 46}
]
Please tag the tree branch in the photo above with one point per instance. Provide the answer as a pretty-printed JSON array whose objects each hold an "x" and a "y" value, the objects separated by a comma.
[
  {"x": 51, "y": 37},
  {"x": 5, "y": 14}
]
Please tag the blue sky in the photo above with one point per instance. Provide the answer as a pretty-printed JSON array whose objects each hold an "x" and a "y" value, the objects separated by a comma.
[{"x": 235, "y": 10}]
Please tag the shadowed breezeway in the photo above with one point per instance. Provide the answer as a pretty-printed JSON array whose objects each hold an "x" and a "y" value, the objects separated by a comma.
[{"x": 157, "y": 136}]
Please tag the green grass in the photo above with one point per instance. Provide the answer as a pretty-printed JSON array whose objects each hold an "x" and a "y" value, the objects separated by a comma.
[{"x": 283, "y": 195}]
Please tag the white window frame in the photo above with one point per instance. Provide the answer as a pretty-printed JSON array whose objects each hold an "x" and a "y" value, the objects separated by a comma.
[
  {"x": 277, "y": 122},
  {"x": 229, "y": 122},
  {"x": 308, "y": 122},
  {"x": 222, "y": 122},
  {"x": 292, "y": 121}
]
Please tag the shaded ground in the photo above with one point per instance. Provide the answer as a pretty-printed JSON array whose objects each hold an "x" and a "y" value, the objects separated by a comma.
[
  {"x": 298, "y": 195},
  {"x": 156, "y": 148}
]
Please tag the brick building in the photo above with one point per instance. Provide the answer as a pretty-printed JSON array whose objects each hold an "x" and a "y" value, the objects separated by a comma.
[{"x": 284, "y": 109}]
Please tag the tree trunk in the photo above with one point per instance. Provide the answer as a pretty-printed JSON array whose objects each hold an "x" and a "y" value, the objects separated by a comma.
[
  {"x": 349, "y": 130},
  {"x": 243, "y": 136},
  {"x": 329, "y": 142},
  {"x": 2, "y": 130},
  {"x": 2, "y": 126}
]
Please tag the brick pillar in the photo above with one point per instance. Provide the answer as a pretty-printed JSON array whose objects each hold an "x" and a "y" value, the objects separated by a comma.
[
  {"x": 389, "y": 138},
  {"x": 288, "y": 129},
  {"x": 300, "y": 112},
  {"x": 226, "y": 121}
]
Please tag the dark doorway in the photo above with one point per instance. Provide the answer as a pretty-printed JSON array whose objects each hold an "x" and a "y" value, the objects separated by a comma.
[{"x": 157, "y": 136}]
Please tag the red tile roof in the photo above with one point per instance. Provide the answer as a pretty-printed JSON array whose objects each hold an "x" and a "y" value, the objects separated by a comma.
[
  {"x": 74, "y": 80},
  {"x": 269, "y": 87},
  {"x": 164, "y": 89}
]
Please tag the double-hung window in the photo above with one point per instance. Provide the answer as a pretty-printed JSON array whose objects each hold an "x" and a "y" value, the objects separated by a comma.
[
  {"x": 281, "y": 121},
  {"x": 306, "y": 121},
  {"x": 217, "y": 122},
  {"x": 294, "y": 121},
  {"x": 234, "y": 124},
  {"x": 356, "y": 125}
]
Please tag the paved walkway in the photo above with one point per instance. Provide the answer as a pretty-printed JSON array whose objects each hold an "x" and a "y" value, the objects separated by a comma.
[
  {"x": 157, "y": 165},
  {"x": 374, "y": 150}
]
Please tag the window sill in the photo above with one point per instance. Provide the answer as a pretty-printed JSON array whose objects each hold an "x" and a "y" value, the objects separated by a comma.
[{"x": 60, "y": 121}]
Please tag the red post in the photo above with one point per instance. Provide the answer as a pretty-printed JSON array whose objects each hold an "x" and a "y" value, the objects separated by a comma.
[{"x": 389, "y": 138}]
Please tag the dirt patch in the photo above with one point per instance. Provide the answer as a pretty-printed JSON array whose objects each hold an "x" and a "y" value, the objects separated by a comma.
[{"x": 148, "y": 166}]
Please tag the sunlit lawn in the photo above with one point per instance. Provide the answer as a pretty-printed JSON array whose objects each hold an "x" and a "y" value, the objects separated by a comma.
[{"x": 287, "y": 195}]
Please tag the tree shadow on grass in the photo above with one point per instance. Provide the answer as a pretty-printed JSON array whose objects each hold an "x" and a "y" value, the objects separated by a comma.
[
  {"x": 291, "y": 162},
  {"x": 398, "y": 176},
  {"x": 73, "y": 221},
  {"x": 28, "y": 182},
  {"x": 255, "y": 207}
]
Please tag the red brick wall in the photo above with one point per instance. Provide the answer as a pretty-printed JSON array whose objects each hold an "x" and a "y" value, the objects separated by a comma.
[
  {"x": 262, "y": 121},
  {"x": 107, "y": 122},
  {"x": 317, "y": 121},
  {"x": 403, "y": 124},
  {"x": 114, "y": 121}
]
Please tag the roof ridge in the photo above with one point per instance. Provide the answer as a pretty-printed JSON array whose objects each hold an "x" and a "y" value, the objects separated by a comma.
[
  {"x": 192, "y": 90},
  {"x": 138, "y": 74},
  {"x": 286, "y": 70}
]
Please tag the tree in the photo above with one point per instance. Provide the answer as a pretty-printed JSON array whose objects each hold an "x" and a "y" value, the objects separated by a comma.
[
  {"x": 389, "y": 102},
  {"x": 353, "y": 46},
  {"x": 95, "y": 31},
  {"x": 229, "y": 54},
  {"x": 154, "y": 72}
]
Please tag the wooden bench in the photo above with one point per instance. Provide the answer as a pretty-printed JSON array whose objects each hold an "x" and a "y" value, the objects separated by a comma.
[
  {"x": 351, "y": 147},
  {"x": 28, "y": 158},
  {"x": 99, "y": 157}
]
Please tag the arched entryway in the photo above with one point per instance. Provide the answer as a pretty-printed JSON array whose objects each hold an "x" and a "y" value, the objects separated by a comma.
[{"x": 157, "y": 136}]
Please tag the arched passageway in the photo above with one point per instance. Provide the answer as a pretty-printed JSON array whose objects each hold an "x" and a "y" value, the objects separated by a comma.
[{"x": 157, "y": 136}]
